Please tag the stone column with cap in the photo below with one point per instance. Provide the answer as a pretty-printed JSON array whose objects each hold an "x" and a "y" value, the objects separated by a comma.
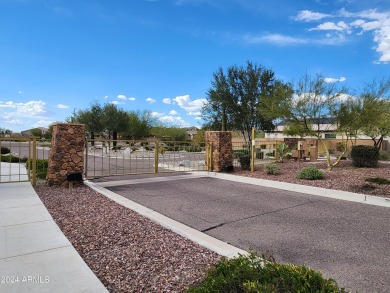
[
  {"x": 66, "y": 153},
  {"x": 222, "y": 148}
]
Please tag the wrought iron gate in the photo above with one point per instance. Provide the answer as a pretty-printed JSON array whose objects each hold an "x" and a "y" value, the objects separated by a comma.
[{"x": 129, "y": 157}]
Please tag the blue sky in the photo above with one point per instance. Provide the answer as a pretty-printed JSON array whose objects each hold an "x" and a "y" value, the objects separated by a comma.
[{"x": 59, "y": 56}]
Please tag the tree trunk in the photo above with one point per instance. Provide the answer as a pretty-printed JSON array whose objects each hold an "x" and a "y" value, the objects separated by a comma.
[
  {"x": 223, "y": 118},
  {"x": 115, "y": 138}
]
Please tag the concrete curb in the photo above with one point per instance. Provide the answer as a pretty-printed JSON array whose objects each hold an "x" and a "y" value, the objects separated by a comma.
[
  {"x": 330, "y": 193},
  {"x": 212, "y": 243},
  {"x": 196, "y": 236}
]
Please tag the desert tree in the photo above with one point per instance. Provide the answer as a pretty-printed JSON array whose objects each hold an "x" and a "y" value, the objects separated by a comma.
[
  {"x": 236, "y": 98},
  {"x": 375, "y": 101},
  {"x": 139, "y": 124},
  {"x": 92, "y": 118},
  {"x": 115, "y": 121},
  {"x": 315, "y": 109}
]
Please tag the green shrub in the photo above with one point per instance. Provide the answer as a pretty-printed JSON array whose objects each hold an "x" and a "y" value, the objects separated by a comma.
[
  {"x": 364, "y": 156},
  {"x": 239, "y": 152},
  {"x": 5, "y": 150},
  {"x": 259, "y": 155},
  {"x": 194, "y": 149},
  {"x": 42, "y": 166},
  {"x": 340, "y": 146},
  {"x": 310, "y": 173},
  {"x": 12, "y": 159},
  {"x": 384, "y": 156},
  {"x": 254, "y": 273},
  {"x": 378, "y": 180},
  {"x": 271, "y": 154},
  {"x": 272, "y": 169},
  {"x": 245, "y": 161}
]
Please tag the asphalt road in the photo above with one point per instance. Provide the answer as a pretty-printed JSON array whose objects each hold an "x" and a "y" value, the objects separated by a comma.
[{"x": 346, "y": 241}]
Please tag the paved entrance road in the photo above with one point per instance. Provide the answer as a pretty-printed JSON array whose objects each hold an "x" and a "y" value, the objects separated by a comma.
[{"x": 347, "y": 241}]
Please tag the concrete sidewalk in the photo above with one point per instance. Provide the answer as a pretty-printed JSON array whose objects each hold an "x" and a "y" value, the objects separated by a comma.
[{"x": 35, "y": 256}]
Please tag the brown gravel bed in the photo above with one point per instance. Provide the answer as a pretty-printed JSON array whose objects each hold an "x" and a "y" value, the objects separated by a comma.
[
  {"x": 343, "y": 177},
  {"x": 126, "y": 251},
  {"x": 130, "y": 253}
]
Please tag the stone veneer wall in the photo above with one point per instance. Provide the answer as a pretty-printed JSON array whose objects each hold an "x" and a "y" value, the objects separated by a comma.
[
  {"x": 67, "y": 152},
  {"x": 222, "y": 148}
]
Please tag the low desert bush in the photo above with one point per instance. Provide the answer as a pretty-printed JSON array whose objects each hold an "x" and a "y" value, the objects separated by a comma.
[
  {"x": 378, "y": 180},
  {"x": 5, "y": 150},
  {"x": 245, "y": 161},
  {"x": 310, "y": 173},
  {"x": 194, "y": 149},
  {"x": 340, "y": 146},
  {"x": 161, "y": 150},
  {"x": 384, "y": 156},
  {"x": 12, "y": 159},
  {"x": 364, "y": 156},
  {"x": 239, "y": 152},
  {"x": 42, "y": 166},
  {"x": 272, "y": 169},
  {"x": 254, "y": 273}
]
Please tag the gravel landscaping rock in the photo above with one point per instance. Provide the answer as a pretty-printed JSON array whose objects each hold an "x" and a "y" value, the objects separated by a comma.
[
  {"x": 130, "y": 253},
  {"x": 343, "y": 177},
  {"x": 126, "y": 251}
]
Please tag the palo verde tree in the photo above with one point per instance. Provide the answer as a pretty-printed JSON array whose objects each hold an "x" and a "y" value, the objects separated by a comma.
[
  {"x": 375, "y": 117},
  {"x": 237, "y": 95},
  {"x": 315, "y": 109}
]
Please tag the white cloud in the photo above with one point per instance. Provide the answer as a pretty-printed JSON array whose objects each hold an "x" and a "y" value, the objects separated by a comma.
[
  {"x": 173, "y": 112},
  {"x": 132, "y": 99},
  {"x": 105, "y": 97},
  {"x": 167, "y": 101},
  {"x": 156, "y": 114},
  {"x": 28, "y": 109},
  {"x": 42, "y": 123},
  {"x": 62, "y": 106},
  {"x": 198, "y": 118},
  {"x": 122, "y": 97},
  {"x": 198, "y": 113},
  {"x": 14, "y": 121},
  {"x": 333, "y": 80},
  {"x": 364, "y": 21},
  {"x": 276, "y": 39},
  {"x": 169, "y": 119},
  {"x": 173, "y": 120},
  {"x": 307, "y": 15},
  {"x": 20, "y": 92},
  {"x": 185, "y": 103},
  {"x": 117, "y": 103},
  {"x": 22, "y": 115},
  {"x": 150, "y": 100},
  {"x": 341, "y": 26}
]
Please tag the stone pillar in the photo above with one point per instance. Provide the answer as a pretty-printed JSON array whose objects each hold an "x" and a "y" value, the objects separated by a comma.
[
  {"x": 222, "y": 156},
  {"x": 66, "y": 153}
]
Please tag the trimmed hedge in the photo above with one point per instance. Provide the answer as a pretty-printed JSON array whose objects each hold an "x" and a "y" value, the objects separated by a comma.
[
  {"x": 12, "y": 159},
  {"x": 364, "y": 156},
  {"x": 245, "y": 161},
  {"x": 5, "y": 150}
]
